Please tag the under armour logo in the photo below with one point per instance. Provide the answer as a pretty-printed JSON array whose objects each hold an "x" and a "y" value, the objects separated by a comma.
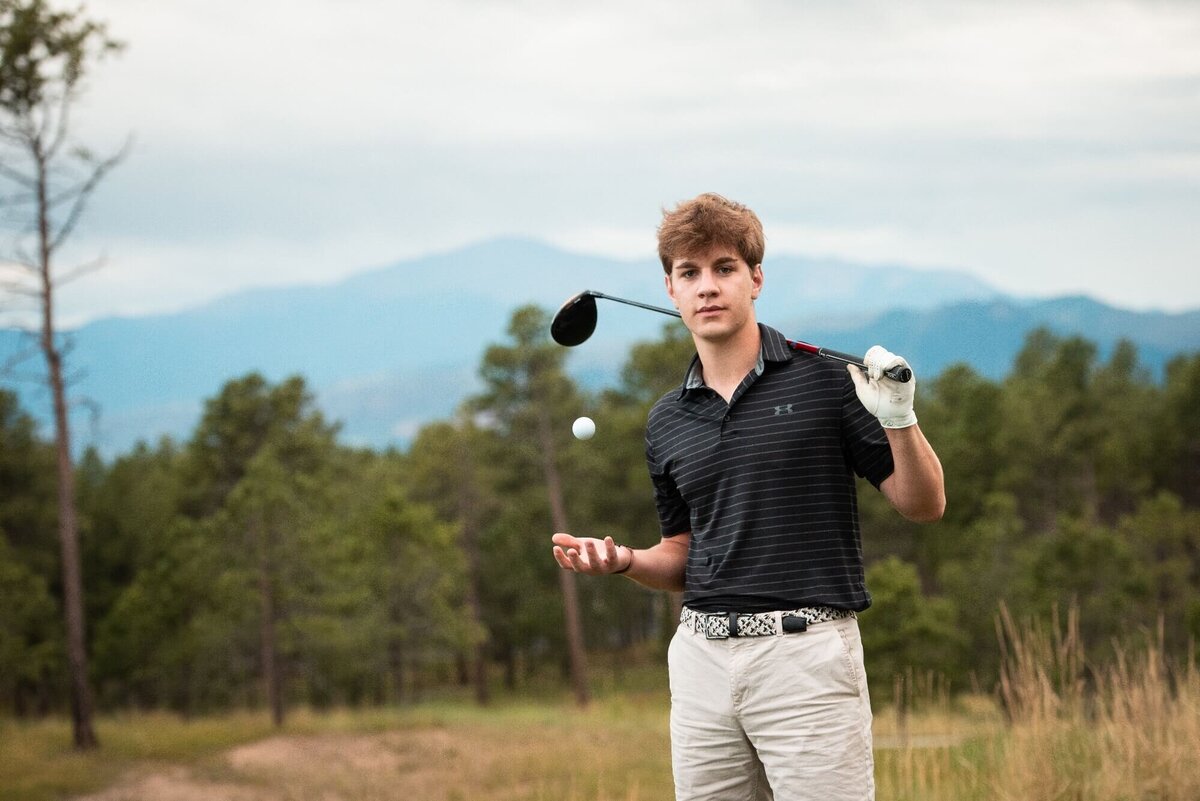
[{"x": 786, "y": 409}]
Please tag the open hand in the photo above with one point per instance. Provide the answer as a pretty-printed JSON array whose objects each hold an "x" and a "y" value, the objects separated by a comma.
[{"x": 590, "y": 555}]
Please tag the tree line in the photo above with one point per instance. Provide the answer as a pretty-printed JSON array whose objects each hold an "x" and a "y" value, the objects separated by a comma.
[{"x": 263, "y": 563}]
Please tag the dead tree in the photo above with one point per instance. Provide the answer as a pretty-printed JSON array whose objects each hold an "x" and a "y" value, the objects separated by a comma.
[{"x": 44, "y": 55}]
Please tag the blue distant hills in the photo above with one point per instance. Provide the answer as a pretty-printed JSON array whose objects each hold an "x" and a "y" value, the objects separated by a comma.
[{"x": 390, "y": 349}]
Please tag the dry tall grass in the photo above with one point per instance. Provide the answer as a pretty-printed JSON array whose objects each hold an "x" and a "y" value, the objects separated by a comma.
[
  {"x": 1129, "y": 731},
  {"x": 922, "y": 742}
]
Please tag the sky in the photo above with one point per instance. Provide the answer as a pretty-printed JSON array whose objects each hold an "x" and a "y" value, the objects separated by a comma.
[{"x": 1047, "y": 147}]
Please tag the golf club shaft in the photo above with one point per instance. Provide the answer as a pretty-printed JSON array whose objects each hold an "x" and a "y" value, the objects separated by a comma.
[
  {"x": 901, "y": 374},
  {"x": 898, "y": 373},
  {"x": 647, "y": 306}
]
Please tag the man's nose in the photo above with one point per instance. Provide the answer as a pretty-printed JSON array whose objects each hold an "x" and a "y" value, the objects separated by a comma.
[{"x": 708, "y": 283}]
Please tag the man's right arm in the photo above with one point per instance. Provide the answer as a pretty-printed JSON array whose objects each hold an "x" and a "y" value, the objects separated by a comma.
[{"x": 660, "y": 567}]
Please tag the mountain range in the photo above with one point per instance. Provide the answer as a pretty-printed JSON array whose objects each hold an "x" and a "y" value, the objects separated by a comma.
[{"x": 392, "y": 348}]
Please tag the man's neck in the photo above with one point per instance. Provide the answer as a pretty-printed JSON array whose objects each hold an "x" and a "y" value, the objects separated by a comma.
[{"x": 726, "y": 362}]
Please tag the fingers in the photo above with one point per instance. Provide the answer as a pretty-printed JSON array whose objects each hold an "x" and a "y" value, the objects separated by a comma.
[
  {"x": 867, "y": 391},
  {"x": 878, "y": 359},
  {"x": 589, "y": 547},
  {"x": 889, "y": 400},
  {"x": 565, "y": 540},
  {"x": 562, "y": 544},
  {"x": 585, "y": 554},
  {"x": 856, "y": 375}
]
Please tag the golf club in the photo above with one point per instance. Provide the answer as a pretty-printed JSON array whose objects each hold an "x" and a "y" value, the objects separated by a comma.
[{"x": 576, "y": 320}]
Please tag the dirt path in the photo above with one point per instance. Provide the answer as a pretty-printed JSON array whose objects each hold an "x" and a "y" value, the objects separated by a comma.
[{"x": 400, "y": 765}]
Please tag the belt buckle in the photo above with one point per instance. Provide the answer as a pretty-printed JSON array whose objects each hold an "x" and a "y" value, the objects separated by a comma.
[{"x": 711, "y": 624}]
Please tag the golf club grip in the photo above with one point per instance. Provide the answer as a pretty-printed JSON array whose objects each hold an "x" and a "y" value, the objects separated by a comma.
[{"x": 899, "y": 373}]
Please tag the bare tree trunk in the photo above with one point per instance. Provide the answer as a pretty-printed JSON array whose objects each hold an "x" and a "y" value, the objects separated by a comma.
[
  {"x": 396, "y": 665},
  {"x": 68, "y": 523},
  {"x": 510, "y": 667},
  {"x": 468, "y": 515},
  {"x": 416, "y": 684},
  {"x": 267, "y": 641},
  {"x": 566, "y": 578},
  {"x": 479, "y": 677}
]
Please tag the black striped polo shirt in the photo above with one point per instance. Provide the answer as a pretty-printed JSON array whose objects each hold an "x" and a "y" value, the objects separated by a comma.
[{"x": 765, "y": 483}]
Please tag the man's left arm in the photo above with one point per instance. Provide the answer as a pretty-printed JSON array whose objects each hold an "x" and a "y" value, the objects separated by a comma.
[{"x": 916, "y": 487}]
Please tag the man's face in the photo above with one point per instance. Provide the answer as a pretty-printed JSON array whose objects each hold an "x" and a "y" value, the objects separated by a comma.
[{"x": 715, "y": 292}]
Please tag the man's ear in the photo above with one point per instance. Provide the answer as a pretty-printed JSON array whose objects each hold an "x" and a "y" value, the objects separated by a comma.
[
  {"x": 756, "y": 273},
  {"x": 670, "y": 289}
]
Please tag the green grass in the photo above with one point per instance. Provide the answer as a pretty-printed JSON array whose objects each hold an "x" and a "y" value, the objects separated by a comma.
[
  {"x": 540, "y": 745},
  {"x": 39, "y": 762}
]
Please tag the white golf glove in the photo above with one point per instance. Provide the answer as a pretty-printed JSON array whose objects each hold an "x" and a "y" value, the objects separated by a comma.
[{"x": 890, "y": 401}]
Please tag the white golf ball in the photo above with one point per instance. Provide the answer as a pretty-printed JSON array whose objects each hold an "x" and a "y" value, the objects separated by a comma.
[{"x": 583, "y": 428}]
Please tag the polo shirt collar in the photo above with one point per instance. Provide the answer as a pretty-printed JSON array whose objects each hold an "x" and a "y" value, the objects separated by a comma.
[{"x": 773, "y": 347}]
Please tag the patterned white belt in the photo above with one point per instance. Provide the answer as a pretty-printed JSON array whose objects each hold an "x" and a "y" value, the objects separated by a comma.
[{"x": 720, "y": 625}]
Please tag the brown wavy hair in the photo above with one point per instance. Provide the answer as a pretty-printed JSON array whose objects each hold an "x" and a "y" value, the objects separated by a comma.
[{"x": 709, "y": 219}]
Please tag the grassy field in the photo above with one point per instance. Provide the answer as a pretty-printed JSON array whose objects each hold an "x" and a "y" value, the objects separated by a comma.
[
  {"x": 1126, "y": 733},
  {"x": 451, "y": 751}
]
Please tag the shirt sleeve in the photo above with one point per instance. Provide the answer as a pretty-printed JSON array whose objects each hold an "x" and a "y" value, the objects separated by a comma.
[
  {"x": 674, "y": 516},
  {"x": 863, "y": 439}
]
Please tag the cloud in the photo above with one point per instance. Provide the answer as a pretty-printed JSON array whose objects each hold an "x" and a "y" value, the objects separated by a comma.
[{"x": 1049, "y": 146}]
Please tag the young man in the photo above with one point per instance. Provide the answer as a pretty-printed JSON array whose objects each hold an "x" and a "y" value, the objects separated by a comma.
[{"x": 753, "y": 461}]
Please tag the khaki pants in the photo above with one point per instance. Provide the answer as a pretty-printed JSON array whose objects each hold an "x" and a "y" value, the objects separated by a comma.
[{"x": 760, "y": 718}]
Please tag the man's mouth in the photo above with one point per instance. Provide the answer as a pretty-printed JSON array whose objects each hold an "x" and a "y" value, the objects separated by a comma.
[{"x": 710, "y": 309}]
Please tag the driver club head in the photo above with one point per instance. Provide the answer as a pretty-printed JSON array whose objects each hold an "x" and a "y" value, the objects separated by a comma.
[{"x": 575, "y": 321}]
